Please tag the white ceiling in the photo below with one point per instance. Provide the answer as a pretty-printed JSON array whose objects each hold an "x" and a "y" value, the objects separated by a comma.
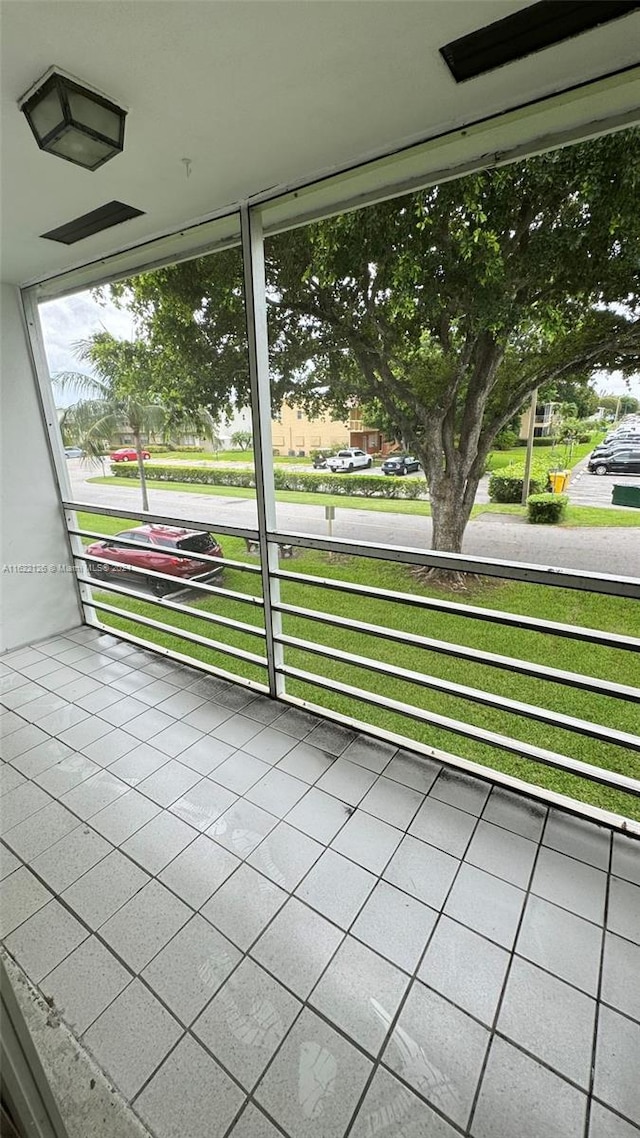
[{"x": 257, "y": 93}]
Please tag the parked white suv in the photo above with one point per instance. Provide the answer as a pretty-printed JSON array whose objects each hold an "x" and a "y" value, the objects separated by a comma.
[{"x": 347, "y": 460}]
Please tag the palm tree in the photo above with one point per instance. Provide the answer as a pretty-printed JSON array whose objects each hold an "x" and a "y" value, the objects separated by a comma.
[{"x": 121, "y": 394}]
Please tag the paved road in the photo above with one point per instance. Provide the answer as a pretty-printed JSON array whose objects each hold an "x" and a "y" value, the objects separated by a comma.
[
  {"x": 603, "y": 550},
  {"x": 595, "y": 490}
]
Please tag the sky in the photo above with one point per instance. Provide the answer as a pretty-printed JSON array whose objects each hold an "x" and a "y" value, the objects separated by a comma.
[{"x": 74, "y": 318}]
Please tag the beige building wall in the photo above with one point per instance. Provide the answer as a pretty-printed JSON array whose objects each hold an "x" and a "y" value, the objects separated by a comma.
[
  {"x": 545, "y": 420},
  {"x": 293, "y": 430}
]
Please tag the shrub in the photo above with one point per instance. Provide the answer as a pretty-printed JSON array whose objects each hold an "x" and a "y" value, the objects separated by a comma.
[
  {"x": 165, "y": 448},
  {"x": 343, "y": 485},
  {"x": 505, "y": 440},
  {"x": 546, "y": 509},
  {"x": 325, "y": 451},
  {"x": 539, "y": 441},
  {"x": 506, "y": 485}
]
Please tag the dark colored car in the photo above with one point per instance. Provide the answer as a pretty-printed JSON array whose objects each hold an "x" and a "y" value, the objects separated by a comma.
[
  {"x": 320, "y": 460},
  {"x": 617, "y": 462},
  {"x": 127, "y": 454},
  {"x": 605, "y": 450},
  {"x": 400, "y": 464},
  {"x": 159, "y": 540}
]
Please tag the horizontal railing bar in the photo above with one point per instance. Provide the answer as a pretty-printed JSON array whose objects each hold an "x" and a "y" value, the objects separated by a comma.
[
  {"x": 176, "y": 606},
  {"x": 145, "y": 516},
  {"x": 190, "y": 583},
  {"x": 489, "y": 775},
  {"x": 479, "y": 734},
  {"x": 185, "y": 554},
  {"x": 458, "y": 562},
  {"x": 474, "y": 655},
  {"x": 492, "y": 616},
  {"x": 472, "y": 695},
  {"x": 180, "y": 657},
  {"x": 181, "y": 633}
]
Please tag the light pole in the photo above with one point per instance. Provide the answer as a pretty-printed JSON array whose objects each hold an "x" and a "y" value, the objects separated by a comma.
[{"x": 527, "y": 461}]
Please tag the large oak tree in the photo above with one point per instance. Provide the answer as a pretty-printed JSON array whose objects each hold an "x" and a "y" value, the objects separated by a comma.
[{"x": 445, "y": 308}]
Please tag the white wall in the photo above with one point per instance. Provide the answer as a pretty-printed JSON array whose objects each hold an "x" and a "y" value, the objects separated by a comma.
[{"x": 34, "y": 604}]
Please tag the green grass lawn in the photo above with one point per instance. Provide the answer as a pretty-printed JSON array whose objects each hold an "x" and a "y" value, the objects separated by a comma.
[
  {"x": 558, "y": 455},
  {"x": 588, "y": 517},
  {"x": 590, "y": 610},
  {"x": 497, "y": 459},
  {"x": 576, "y": 515},
  {"x": 245, "y": 456}
]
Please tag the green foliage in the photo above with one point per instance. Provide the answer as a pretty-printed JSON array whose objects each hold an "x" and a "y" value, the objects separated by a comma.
[
  {"x": 346, "y": 485},
  {"x": 506, "y": 485},
  {"x": 547, "y": 509},
  {"x": 506, "y": 439},
  {"x": 577, "y": 390},
  {"x": 542, "y": 441},
  {"x": 327, "y": 452},
  {"x": 444, "y": 309},
  {"x": 242, "y": 440}
]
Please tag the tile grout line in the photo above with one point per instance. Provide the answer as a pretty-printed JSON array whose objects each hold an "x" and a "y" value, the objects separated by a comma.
[
  {"x": 512, "y": 953},
  {"x": 402, "y": 1003},
  {"x": 168, "y": 810},
  {"x": 596, "y": 1019}
]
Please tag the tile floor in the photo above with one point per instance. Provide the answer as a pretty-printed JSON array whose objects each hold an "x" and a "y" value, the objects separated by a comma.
[{"x": 262, "y": 924}]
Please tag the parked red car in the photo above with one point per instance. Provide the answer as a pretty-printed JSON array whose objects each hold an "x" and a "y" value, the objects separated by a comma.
[
  {"x": 127, "y": 454},
  {"x": 155, "y": 557}
]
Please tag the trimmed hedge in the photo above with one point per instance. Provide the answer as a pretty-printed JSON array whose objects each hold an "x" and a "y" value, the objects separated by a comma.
[
  {"x": 166, "y": 448},
  {"x": 505, "y": 485},
  {"x": 540, "y": 441},
  {"x": 550, "y": 441},
  {"x": 344, "y": 485},
  {"x": 546, "y": 509}
]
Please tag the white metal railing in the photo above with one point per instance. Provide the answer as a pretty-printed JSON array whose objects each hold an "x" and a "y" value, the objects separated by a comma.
[{"x": 278, "y": 640}]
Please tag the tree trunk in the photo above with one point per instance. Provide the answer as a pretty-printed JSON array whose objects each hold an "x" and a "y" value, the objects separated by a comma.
[
  {"x": 449, "y": 519},
  {"x": 143, "y": 480},
  {"x": 452, "y": 497}
]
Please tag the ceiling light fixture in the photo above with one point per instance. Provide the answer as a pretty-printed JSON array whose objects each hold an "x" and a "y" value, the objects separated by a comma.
[{"x": 73, "y": 121}]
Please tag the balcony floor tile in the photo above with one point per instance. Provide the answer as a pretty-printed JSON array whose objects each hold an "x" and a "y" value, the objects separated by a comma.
[{"x": 266, "y": 925}]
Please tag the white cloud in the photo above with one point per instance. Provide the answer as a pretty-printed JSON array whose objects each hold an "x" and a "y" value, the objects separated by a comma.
[
  {"x": 74, "y": 318},
  {"x": 614, "y": 383}
]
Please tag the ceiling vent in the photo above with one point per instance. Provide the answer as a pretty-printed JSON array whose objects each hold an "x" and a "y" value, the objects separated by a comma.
[
  {"x": 532, "y": 29},
  {"x": 113, "y": 213}
]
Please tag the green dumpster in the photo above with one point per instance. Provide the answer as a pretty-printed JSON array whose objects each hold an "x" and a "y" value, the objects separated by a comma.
[{"x": 626, "y": 496}]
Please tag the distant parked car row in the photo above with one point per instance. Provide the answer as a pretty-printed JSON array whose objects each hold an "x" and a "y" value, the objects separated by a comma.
[
  {"x": 352, "y": 458},
  {"x": 619, "y": 452},
  {"x": 625, "y": 461}
]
